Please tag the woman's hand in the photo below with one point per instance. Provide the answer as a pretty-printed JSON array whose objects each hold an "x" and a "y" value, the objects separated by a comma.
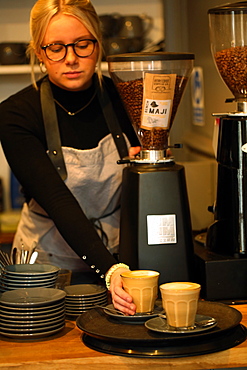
[
  {"x": 121, "y": 300},
  {"x": 134, "y": 150}
]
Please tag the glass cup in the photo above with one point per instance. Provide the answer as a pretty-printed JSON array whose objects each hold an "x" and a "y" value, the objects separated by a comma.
[
  {"x": 142, "y": 285},
  {"x": 63, "y": 279},
  {"x": 180, "y": 300}
]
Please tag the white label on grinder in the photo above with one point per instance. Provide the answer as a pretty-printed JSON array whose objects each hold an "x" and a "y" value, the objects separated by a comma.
[
  {"x": 156, "y": 113},
  {"x": 158, "y": 95},
  {"x": 161, "y": 229}
]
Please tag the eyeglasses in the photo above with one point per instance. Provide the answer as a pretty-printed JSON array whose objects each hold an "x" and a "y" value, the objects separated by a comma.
[{"x": 57, "y": 51}]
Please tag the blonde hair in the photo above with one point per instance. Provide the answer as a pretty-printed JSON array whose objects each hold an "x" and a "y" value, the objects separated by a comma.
[{"x": 44, "y": 10}]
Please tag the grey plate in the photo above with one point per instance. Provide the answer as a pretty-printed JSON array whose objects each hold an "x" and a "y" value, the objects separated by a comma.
[
  {"x": 23, "y": 310},
  {"x": 137, "y": 317},
  {"x": 36, "y": 297},
  {"x": 84, "y": 290},
  {"x": 29, "y": 285},
  {"x": 41, "y": 334},
  {"x": 34, "y": 316},
  {"x": 85, "y": 298},
  {"x": 86, "y": 305},
  {"x": 32, "y": 324},
  {"x": 78, "y": 309},
  {"x": 160, "y": 325},
  {"x": 28, "y": 281},
  {"x": 27, "y": 322},
  {"x": 35, "y": 270},
  {"x": 32, "y": 329}
]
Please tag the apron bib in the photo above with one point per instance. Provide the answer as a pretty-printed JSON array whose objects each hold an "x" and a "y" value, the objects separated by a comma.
[{"x": 93, "y": 172}]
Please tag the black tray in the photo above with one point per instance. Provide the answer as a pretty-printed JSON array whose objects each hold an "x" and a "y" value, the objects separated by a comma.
[
  {"x": 110, "y": 336},
  {"x": 234, "y": 337}
]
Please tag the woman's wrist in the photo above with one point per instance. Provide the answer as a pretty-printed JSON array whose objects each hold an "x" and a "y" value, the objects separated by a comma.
[{"x": 111, "y": 271}]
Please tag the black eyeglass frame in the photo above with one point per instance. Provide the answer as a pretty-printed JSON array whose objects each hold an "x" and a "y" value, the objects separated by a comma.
[{"x": 73, "y": 44}]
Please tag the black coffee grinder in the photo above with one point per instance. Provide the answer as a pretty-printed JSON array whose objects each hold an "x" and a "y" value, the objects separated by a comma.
[
  {"x": 155, "y": 230},
  {"x": 223, "y": 265}
]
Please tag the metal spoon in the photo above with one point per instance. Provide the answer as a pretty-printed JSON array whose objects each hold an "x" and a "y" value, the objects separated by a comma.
[{"x": 33, "y": 257}]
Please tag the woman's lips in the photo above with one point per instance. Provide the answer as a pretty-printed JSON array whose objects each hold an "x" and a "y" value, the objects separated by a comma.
[{"x": 72, "y": 74}]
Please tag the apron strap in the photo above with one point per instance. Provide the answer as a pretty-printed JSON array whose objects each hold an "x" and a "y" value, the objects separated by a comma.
[
  {"x": 51, "y": 128},
  {"x": 112, "y": 123}
]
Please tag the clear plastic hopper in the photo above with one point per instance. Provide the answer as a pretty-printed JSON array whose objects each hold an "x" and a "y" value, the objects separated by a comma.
[
  {"x": 151, "y": 86},
  {"x": 228, "y": 36}
]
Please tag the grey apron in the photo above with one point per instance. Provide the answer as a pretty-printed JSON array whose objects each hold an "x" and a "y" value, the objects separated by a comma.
[{"x": 93, "y": 172}]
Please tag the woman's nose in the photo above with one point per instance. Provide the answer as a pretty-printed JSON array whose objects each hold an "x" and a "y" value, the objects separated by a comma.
[{"x": 71, "y": 56}]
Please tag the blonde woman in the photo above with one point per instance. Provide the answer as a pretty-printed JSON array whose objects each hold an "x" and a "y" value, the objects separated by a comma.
[{"x": 58, "y": 138}]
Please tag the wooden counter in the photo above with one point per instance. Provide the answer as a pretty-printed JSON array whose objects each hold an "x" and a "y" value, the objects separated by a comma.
[{"x": 66, "y": 350}]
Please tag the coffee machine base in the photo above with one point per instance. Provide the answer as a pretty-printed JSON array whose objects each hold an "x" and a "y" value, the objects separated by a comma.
[
  {"x": 222, "y": 278},
  {"x": 155, "y": 228}
]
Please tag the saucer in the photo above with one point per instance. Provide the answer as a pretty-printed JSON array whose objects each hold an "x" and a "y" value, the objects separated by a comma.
[
  {"x": 160, "y": 325},
  {"x": 158, "y": 309}
]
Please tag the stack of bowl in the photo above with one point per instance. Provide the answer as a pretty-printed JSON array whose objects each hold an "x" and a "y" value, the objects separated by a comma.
[
  {"x": 124, "y": 33},
  {"x": 32, "y": 312},
  {"x": 83, "y": 297},
  {"x": 28, "y": 276}
]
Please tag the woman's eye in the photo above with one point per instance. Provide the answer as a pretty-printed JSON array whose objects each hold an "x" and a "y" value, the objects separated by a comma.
[
  {"x": 82, "y": 44},
  {"x": 56, "y": 48}
]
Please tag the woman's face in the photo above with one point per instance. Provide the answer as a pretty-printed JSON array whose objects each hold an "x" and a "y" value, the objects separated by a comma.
[{"x": 71, "y": 73}]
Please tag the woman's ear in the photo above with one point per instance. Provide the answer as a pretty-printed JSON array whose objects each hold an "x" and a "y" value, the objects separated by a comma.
[{"x": 39, "y": 56}]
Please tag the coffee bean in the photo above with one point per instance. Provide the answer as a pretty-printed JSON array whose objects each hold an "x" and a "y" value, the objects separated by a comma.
[
  {"x": 232, "y": 64},
  {"x": 131, "y": 93}
]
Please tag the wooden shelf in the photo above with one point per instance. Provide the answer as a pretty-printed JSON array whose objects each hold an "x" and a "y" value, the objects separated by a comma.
[{"x": 17, "y": 69}]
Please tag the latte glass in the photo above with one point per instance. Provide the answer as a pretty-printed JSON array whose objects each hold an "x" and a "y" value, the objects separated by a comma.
[
  {"x": 142, "y": 285},
  {"x": 180, "y": 300}
]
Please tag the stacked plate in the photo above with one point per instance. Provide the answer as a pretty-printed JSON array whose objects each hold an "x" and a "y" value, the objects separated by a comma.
[
  {"x": 32, "y": 312},
  {"x": 83, "y": 297},
  {"x": 28, "y": 276}
]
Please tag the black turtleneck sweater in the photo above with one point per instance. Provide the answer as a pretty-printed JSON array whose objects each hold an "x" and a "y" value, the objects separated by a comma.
[{"x": 23, "y": 140}]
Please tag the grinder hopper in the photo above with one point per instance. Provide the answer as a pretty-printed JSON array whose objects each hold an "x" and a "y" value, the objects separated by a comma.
[{"x": 151, "y": 86}]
